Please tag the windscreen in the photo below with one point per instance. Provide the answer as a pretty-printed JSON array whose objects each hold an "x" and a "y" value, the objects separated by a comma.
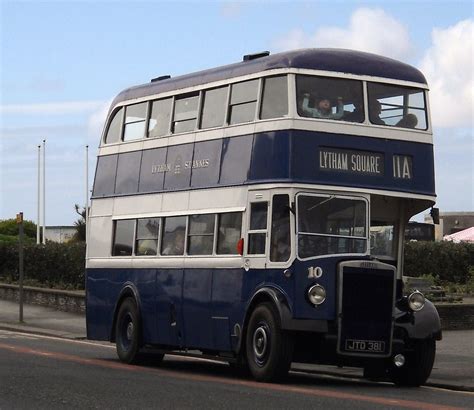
[{"x": 329, "y": 225}]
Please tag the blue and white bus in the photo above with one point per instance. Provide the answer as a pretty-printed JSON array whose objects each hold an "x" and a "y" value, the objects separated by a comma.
[{"x": 255, "y": 213}]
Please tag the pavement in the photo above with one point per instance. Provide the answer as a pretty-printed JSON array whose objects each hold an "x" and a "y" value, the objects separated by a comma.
[{"x": 453, "y": 368}]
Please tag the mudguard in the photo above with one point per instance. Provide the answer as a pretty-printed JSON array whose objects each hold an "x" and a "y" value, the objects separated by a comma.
[
  {"x": 420, "y": 325},
  {"x": 129, "y": 289},
  {"x": 280, "y": 301}
]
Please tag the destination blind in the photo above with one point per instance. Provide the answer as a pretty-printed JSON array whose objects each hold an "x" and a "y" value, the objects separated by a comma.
[{"x": 352, "y": 161}]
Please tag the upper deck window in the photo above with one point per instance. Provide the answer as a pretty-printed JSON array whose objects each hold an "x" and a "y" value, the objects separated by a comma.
[
  {"x": 329, "y": 98},
  {"x": 275, "y": 97},
  {"x": 243, "y": 102},
  {"x": 160, "y": 118},
  {"x": 135, "y": 118},
  {"x": 115, "y": 128},
  {"x": 185, "y": 113},
  {"x": 397, "y": 106},
  {"x": 214, "y": 107}
]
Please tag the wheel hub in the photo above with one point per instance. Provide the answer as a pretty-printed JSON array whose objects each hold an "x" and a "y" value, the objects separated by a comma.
[
  {"x": 130, "y": 330},
  {"x": 260, "y": 342}
]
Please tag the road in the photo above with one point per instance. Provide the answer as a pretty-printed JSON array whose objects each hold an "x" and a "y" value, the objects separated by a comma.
[{"x": 47, "y": 372}]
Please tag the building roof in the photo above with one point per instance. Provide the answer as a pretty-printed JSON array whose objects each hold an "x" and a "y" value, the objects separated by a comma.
[
  {"x": 334, "y": 60},
  {"x": 467, "y": 235}
]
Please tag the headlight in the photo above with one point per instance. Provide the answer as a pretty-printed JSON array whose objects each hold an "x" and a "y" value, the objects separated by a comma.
[
  {"x": 316, "y": 294},
  {"x": 416, "y": 301}
]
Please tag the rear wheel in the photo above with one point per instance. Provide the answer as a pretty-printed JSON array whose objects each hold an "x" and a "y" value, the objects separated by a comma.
[
  {"x": 127, "y": 331},
  {"x": 269, "y": 350},
  {"x": 418, "y": 365}
]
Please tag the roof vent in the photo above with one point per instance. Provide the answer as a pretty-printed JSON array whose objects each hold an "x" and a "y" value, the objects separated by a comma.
[
  {"x": 249, "y": 57},
  {"x": 160, "y": 78}
]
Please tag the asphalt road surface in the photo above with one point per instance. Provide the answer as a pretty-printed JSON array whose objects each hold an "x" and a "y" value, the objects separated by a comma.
[{"x": 46, "y": 372}]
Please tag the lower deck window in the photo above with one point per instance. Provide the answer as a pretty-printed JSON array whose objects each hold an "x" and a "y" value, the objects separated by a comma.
[
  {"x": 123, "y": 237},
  {"x": 147, "y": 236},
  {"x": 382, "y": 240},
  {"x": 201, "y": 234},
  {"x": 258, "y": 228},
  {"x": 229, "y": 232},
  {"x": 174, "y": 229}
]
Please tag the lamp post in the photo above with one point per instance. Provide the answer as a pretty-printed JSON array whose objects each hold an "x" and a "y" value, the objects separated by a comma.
[
  {"x": 38, "y": 215},
  {"x": 44, "y": 192},
  {"x": 87, "y": 192}
]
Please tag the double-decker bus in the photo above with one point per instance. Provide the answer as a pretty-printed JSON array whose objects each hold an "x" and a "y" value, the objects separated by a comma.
[{"x": 256, "y": 212}]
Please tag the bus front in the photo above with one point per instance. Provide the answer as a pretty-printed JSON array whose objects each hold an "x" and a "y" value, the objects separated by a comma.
[{"x": 359, "y": 185}]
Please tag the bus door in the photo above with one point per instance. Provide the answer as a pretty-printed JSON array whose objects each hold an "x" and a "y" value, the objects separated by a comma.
[{"x": 269, "y": 249}]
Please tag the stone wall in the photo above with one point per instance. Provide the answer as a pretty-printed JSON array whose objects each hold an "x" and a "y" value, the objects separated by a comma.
[
  {"x": 456, "y": 316},
  {"x": 67, "y": 301}
]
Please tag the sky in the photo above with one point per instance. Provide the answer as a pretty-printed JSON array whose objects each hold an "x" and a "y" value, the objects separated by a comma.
[{"x": 62, "y": 63}]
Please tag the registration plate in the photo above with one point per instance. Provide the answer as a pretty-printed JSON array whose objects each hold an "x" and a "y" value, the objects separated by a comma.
[{"x": 376, "y": 346}]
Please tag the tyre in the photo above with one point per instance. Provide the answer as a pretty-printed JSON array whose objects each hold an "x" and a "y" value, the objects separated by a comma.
[
  {"x": 269, "y": 350},
  {"x": 418, "y": 365},
  {"x": 127, "y": 331}
]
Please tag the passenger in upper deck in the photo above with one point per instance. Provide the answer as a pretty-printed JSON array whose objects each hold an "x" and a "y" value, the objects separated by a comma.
[
  {"x": 355, "y": 116},
  {"x": 323, "y": 108},
  {"x": 375, "y": 108},
  {"x": 408, "y": 121}
]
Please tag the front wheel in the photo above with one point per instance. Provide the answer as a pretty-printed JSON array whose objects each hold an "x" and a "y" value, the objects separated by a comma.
[
  {"x": 269, "y": 350},
  {"x": 418, "y": 366},
  {"x": 127, "y": 331}
]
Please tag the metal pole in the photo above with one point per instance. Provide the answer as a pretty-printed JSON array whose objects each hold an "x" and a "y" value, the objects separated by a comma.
[
  {"x": 44, "y": 191},
  {"x": 38, "y": 215},
  {"x": 87, "y": 191},
  {"x": 19, "y": 220}
]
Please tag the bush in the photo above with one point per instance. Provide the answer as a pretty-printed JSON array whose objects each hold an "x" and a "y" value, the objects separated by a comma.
[
  {"x": 63, "y": 265},
  {"x": 446, "y": 262},
  {"x": 60, "y": 265}
]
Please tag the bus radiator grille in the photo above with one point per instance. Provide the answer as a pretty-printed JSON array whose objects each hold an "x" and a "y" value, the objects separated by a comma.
[{"x": 366, "y": 311}]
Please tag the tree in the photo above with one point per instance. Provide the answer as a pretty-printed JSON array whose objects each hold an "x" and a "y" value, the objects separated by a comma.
[
  {"x": 9, "y": 227},
  {"x": 80, "y": 224}
]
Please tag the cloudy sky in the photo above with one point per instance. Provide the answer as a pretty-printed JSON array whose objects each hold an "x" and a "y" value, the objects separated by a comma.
[{"x": 62, "y": 62}]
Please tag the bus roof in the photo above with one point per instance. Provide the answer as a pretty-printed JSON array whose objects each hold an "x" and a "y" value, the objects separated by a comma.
[{"x": 325, "y": 59}]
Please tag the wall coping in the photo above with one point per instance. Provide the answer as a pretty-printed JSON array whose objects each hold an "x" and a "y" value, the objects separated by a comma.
[{"x": 59, "y": 292}]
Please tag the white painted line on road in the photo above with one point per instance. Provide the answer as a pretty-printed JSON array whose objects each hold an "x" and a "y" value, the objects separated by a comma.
[
  {"x": 61, "y": 339},
  {"x": 6, "y": 334}
]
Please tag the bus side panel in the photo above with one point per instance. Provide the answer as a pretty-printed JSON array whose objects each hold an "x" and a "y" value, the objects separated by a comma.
[
  {"x": 98, "y": 311},
  {"x": 169, "y": 323},
  {"x": 197, "y": 287},
  {"x": 104, "y": 287},
  {"x": 144, "y": 280},
  {"x": 270, "y": 156},
  {"x": 227, "y": 306}
]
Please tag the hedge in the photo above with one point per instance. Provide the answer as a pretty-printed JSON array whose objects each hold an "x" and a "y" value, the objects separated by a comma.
[
  {"x": 59, "y": 265},
  {"x": 62, "y": 265},
  {"x": 445, "y": 261}
]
